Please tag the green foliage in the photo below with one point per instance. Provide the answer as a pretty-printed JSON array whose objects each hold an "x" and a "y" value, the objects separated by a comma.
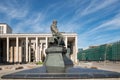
[{"x": 39, "y": 63}]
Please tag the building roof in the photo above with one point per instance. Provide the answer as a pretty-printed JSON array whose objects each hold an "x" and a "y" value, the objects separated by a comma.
[{"x": 38, "y": 35}]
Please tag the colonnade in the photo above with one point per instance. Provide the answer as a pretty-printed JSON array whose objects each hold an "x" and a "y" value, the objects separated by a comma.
[{"x": 32, "y": 49}]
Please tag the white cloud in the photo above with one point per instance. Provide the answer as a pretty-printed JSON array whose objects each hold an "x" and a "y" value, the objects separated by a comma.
[
  {"x": 33, "y": 24},
  {"x": 112, "y": 24},
  {"x": 97, "y": 5},
  {"x": 12, "y": 9}
]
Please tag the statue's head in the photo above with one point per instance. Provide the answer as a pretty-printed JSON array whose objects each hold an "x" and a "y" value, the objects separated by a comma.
[{"x": 54, "y": 21}]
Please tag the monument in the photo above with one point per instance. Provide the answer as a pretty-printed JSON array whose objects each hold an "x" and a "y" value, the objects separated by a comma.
[
  {"x": 56, "y": 60},
  {"x": 58, "y": 66}
]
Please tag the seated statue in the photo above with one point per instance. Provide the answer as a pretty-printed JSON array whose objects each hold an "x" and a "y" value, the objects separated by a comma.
[
  {"x": 57, "y": 38},
  {"x": 56, "y": 60}
]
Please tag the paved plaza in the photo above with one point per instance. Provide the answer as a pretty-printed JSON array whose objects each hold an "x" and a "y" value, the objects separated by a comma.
[{"x": 111, "y": 66}]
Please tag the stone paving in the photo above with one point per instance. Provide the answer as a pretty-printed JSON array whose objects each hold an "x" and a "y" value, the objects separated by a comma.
[
  {"x": 110, "y": 66},
  {"x": 6, "y": 69}
]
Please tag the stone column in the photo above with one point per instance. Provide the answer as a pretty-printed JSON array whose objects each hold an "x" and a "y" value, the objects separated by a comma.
[
  {"x": 20, "y": 52},
  {"x": 46, "y": 41},
  {"x": 16, "y": 60},
  {"x": 11, "y": 54},
  {"x": 29, "y": 53},
  {"x": 76, "y": 50},
  {"x": 38, "y": 55},
  {"x": 44, "y": 48},
  {"x": 46, "y": 45},
  {"x": 7, "y": 49},
  {"x": 38, "y": 49},
  {"x": 66, "y": 41},
  {"x": 26, "y": 49},
  {"x": 36, "y": 52},
  {"x": 40, "y": 52}
]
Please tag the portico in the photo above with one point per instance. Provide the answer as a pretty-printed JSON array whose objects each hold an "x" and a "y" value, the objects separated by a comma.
[
  {"x": 24, "y": 48},
  {"x": 19, "y": 48}
]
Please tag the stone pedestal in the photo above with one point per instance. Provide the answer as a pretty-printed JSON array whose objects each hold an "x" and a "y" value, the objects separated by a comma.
[
  {"x": 54, "y": 62},
  {"x": 67, "y": 61}
]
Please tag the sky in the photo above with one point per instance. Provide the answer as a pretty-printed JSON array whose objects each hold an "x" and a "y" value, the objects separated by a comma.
[{"x": 95, "y": 21}]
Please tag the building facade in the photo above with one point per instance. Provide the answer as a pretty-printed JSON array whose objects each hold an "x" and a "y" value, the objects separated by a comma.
[
  {"x": 4, "y": 28},
  {"x": 23, "y": 48}
]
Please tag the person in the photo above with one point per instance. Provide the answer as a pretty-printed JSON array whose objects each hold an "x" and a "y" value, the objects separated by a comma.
[{"x": 58, "y": 37}]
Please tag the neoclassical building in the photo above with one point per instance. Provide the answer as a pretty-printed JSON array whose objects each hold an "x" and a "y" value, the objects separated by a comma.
[{"x": 24, "y": 48}]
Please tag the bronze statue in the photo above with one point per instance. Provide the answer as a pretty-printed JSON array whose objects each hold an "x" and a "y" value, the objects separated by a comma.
[
  {"x": 56, "y": 60},
  {"x": 54, "y": 28},
  {"x": 57, "y": 36}
]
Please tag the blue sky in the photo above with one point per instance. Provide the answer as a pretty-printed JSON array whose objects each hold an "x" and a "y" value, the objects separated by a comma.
[{"x": 95, "y": 21}]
